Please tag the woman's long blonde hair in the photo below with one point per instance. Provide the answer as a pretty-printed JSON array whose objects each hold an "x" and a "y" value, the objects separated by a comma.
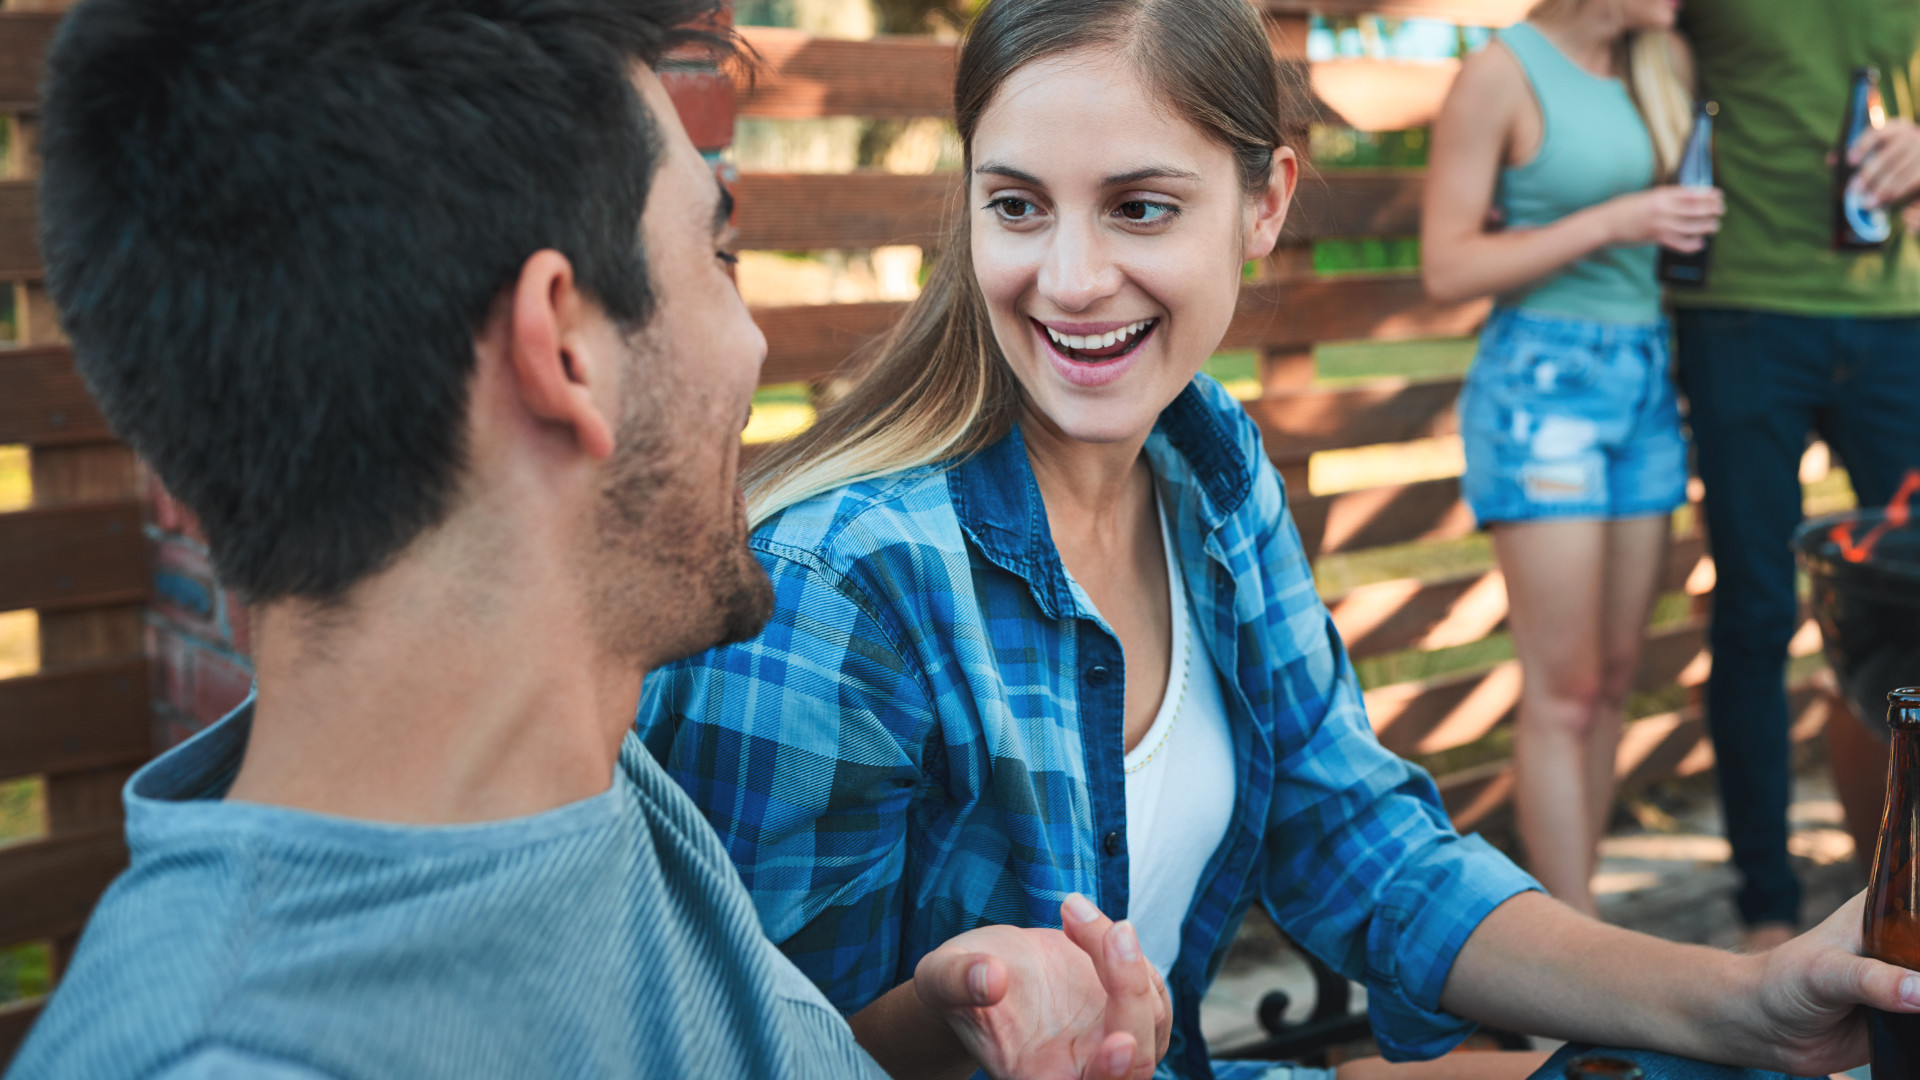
[
  {"x": 1645, "y": 60},
  {"x": 937, "y": 388}
]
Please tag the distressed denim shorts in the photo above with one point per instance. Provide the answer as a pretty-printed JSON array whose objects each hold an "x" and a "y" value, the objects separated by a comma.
[{"x": 1565, "y": 418}]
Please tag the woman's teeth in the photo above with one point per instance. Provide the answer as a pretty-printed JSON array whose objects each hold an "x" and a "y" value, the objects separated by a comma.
[{"x": 1097, "y": 341}]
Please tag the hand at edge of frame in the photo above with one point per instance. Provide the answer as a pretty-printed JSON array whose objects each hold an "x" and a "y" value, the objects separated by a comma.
[
  {"x": 1808, "y": 990},
  {"x": 1039, "y": 1004}
]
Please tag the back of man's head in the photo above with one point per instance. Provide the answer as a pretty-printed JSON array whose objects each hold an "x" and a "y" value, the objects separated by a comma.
[{"x": 274, "y": 227}]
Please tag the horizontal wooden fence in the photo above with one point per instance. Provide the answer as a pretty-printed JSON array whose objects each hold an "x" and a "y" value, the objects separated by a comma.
[
  {"x": 79, "y": 719},
  {"x": 78, "y": 558}
]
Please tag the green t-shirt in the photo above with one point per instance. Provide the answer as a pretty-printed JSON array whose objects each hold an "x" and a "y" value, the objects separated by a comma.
[{"x": 1781, "y": 70}]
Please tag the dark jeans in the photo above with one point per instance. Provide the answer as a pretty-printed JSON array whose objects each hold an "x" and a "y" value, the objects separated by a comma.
[
  {"x": 1756, "y": 384},
  {"x": 1654, "y": 1066}
]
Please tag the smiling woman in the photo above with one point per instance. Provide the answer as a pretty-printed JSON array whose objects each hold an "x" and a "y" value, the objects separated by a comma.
[{"x": 1066, "y": 636}]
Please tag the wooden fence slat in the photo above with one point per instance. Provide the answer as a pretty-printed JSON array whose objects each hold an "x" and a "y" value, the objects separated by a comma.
[
  {"x": 902, "y": 77},
  {"x": 79, "y": 718},
  {"x": 1670, "y": 744},
  {"x": 1458, "y": 12},
  {"x": 1299, "y": 424},
  {"x": 1407, "y": 614},
  {"x": 24, "y": 37},
  {"x": 46, "y": 400},
  {"x": 1275, "y": 314},
  {"x": 810, "y": 342},
  {"x": 51, "y": 885},
  {"x": 812, "y": 211},
  {"x": 16, "y": 1019},
  {"x": 1374, "y": 517},
  {"x": 19, "y": 244},
  {"x": 72, "y": 556},
  {"x": 887, "y": 77},
  {"x": 1448, "y": 713}
]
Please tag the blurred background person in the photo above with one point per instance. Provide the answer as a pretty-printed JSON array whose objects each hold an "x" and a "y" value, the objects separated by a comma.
[
  {"x": 1791, "y": 335},
  {"x": 1560, "y": 131}
]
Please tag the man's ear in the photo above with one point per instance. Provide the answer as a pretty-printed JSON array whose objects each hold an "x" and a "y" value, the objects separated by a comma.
[
  {"x": 1270, "y": 205},
  {"x": 556, "y": 365}
]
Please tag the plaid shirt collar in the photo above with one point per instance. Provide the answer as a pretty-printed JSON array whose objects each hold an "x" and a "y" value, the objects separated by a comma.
[{"x": 998, "y": 500}]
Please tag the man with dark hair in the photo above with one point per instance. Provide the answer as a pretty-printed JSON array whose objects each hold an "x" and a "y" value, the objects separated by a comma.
[{"x": 423, "y": 307}]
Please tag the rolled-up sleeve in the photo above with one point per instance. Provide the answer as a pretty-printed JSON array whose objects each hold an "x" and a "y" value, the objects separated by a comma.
[{"x": 1363, "y": 867}]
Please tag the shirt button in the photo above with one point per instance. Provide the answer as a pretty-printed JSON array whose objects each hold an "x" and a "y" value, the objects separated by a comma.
[
  {"x": 1111, "y": 843},
  {"x": 1097, "y": 675}
]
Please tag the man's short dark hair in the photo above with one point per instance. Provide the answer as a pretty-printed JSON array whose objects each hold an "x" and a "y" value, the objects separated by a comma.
[{"x": 274, "y": 227}]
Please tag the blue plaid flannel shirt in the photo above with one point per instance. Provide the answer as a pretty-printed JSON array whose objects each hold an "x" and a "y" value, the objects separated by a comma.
[{"x": 927, "y": 738}]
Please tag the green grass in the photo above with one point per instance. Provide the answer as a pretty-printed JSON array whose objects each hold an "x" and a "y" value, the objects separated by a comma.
[
  {"x": 26, "y": 971},
  {"x": 1430, "y": 358},
  {"x": 1372, "y": 255},
  {"x": 23, "y": 810}
]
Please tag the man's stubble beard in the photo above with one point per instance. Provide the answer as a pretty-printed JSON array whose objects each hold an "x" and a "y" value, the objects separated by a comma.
[{"x": 669, "y": 580}]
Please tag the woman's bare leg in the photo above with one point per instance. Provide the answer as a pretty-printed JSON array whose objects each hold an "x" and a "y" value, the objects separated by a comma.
[
  {"x": 1635, "y": 563},
  {"x": 1554, "y": 573}
]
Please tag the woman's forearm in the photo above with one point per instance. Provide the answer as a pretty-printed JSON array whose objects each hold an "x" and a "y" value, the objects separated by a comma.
[
  {"x": 1536, "y": 965},
  {"x": 1460, "y": 266},
  {"x": 909, "y": 1040}
]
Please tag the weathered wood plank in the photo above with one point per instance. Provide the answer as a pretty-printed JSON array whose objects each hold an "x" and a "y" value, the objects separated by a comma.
[
  {"x": 72, "y": 556},
  {"x": 46, "y": 401},
  {"x": 51, "y": 885},
  {"x": 812, "y": 211},
  {"x": 16, "y": 1019},
  {"x": 1345, "y": 308},
  {"x": 807, "y": 343},
  {"x": 803, "y": 77},
  {"x": 1299, "y": 424},
  {"x": 1459, "y": 12},
  {"x": 900, "y": 77},
  {"x": 92, "y": 715},
  {"x": 1652, "y": 748},
  {"x": 19, "y": 244},
  {"x": 1444, "y": 714},
  {"x": 24, "y": 37},
  {"x": 1408, "y": 614},
  {"x": 1397, "y": 514}
]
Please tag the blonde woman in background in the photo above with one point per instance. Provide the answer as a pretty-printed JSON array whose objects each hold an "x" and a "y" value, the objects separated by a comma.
[{"x": 1561, "y": 131}]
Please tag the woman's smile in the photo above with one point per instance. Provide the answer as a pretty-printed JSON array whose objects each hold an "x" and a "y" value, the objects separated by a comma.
[{"x": 1093, "y": 354}]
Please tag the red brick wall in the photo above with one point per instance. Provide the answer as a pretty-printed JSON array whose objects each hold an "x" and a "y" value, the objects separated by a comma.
[{"x": 196, "y": 629}]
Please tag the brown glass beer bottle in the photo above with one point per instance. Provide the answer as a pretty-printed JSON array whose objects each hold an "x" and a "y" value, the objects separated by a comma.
[
  {"x": 1696, "y": 170},
  {"x": 1891, "y": 929},
  {"x": 1855, "y": 227}
]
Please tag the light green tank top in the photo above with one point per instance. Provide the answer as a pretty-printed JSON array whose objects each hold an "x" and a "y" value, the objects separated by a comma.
[{"x": 1593, "y": 146}]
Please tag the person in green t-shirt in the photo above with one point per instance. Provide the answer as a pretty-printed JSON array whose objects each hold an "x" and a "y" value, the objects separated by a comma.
[{"x": 1791, "y": 336}]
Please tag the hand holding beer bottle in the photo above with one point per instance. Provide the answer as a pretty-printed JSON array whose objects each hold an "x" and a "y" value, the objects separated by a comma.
[{"x": 1675, "y": 216}]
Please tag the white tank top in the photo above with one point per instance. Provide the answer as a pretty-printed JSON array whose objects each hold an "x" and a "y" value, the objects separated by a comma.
[{"x": 1180, "y": 785}]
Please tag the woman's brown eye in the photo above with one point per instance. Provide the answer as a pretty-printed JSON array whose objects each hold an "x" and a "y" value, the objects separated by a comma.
[{"x": 1143, "y": 211}]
